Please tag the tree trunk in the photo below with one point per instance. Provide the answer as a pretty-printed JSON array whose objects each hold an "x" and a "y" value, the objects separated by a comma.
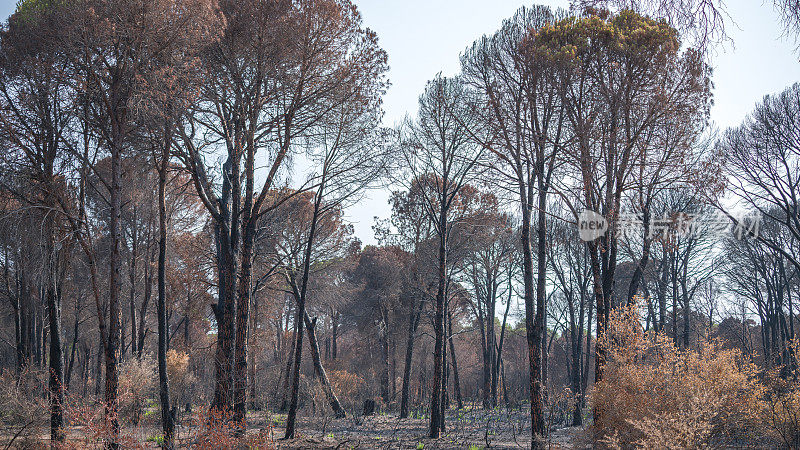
[
  {"x": 487, "y": 368},
  {"x": 132, "y": 282},
  {"x": 384, "y": 377},
  {"x": 301, "y": 310},
  {"x": 288, "y": 371},
  {"x": 75, "y": 325},
  {"x": 334, "y": 334},
  {"x": 227, "y": 237},
  {"x": 167, "y": 418},
  {"x": 245, "y": 290},
  {"x": 633, "y": 288},
  {"x": 456, "y": 384},
  {"x": 319, "y": 370},
  {"x": 148, "y": 292},
  {"x": 242, "y": 322},
  {"x": 438, "y": 327},
  {"x": 498, "y": 359},
  {"x": 56, "y": 379},
  {"x": 491, "y": 344},
  {"x": 533, "y": 322},
  {"x": 112, "y": 344},
  {"x": 413, "y": 322}
]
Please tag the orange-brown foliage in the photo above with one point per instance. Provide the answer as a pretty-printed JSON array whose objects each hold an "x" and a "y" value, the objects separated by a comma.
[{"x": 655, "y": 395}]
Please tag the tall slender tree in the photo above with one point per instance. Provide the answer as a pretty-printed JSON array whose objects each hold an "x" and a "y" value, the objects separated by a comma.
[{"x": 440, "y": 159}]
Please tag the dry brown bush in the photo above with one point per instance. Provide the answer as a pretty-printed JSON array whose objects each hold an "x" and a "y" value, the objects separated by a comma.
[
  {"x": 23, "y": 397},
  {"x": 780, "y": 410},
  {"x": 348, "y": 387},
  {"x": 655, "y": 395},
  {"x": 138, "y": 384},
  {"x": 181, "y": 379},
  {"x": 24, "y": 407}
]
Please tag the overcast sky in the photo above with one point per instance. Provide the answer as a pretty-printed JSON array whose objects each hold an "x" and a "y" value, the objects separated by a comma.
[{"x": 424, "y": 37}]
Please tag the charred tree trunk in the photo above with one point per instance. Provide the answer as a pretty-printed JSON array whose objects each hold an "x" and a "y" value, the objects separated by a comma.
[
  {"x": 334, "y": 334},
  {"x": 132, "y": 282},
  {"x": 167, "y": 417},
  {"x": 148, "y": 292},
  {"x": 319, "y": 370},
  {"x": 118, "y": 119},
  {"x": 301, "y": 310},
  {"x": 73, "y": 350},
  {"x": 242, "y": 321},
  {"x": 456, "y": 384},
  {"x": 438, "y": 327},
  {"x": 533, "y": 319},
  {"x": 384, "y": 377},
  {"x": 56, "y": 366},
  {"x": 499, "y": 358},
  {"x": 288, "y": 372},
  {"x": 413, "y": 322},
  {"x": 227, "y": 241},
  {"x": 245, "y": 291}
]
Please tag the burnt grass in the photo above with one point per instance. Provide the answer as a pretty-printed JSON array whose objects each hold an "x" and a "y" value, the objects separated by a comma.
[
  {"x": 469, "y": 429},
  {"x": 465, "y": 429}
]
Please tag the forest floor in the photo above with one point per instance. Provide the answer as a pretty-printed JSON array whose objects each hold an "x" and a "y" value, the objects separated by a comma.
[
  {"x": 465, "y": 429},
  {"x": 473, "y": 430}
]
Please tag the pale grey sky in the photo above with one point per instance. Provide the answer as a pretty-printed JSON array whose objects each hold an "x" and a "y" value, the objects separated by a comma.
[{"x": 424, "y": 37}]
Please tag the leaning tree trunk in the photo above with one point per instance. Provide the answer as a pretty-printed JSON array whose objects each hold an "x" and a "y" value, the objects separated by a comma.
[
  {"x": 319, "y": 370},
  {"x": 74, "y": 346},
  {"x": 301, "y": 309}
]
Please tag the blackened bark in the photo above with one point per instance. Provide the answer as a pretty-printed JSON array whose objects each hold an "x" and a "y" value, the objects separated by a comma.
[
  {"x": 148, "y": 289},
  {"x": 73, "y": 350},
  {"x": 438, "y": 327},
  {"x": 245, "y": 290},
  {"x": 491, "y": 342},
  {"x": 167, "y": 418},
  {"x": 118, "y": 118},
  {"x": 132, "y": 282},
  {"x": 499, "y": 359},
  {"x": 413, "y": 321},
  {"x": 242, "y": 320},
  {"x": 288, "y": 371},
  {"x": 56, "y": 380},
  {"x": 301, "y": 309},
  {"x": 384, "y": 377},
  {"x": 334, "y": 335},
  {"x": 227, "y": 241},
  {"x": 532, "y": 327},
  {"x": 319, "y": 370},
  {"x": 453, "y": 360}
]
